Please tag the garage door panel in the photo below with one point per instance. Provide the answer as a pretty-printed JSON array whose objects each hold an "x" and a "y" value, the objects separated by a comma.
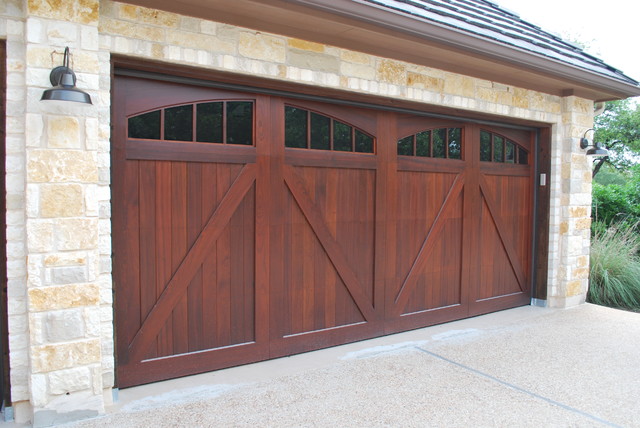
[
  {"x": 296, "y": 227},
  {"x": 329, "y": 281}
]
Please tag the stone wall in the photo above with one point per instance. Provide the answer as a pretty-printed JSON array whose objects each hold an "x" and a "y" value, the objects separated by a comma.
[{"x": 58, "y": 200}]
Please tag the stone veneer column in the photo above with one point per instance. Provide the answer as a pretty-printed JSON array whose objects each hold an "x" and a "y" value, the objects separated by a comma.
[
  {"x": 571, "y": 206},
  {"x": 67, "y": 218}
]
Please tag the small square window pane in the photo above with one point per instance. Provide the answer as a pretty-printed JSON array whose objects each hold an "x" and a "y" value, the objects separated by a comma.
[
  {"x": 439, "y": 143},
  {"x": 455, "y": 145},
  {"x": 178, "y": 123},
  {"x": 423, "y": 144},
  {"x": 320, "y": 126},
  {"x": 295, "y": 127},
  {"x": 240, "y": 122},
  {"x": 146, "y": 126},
  {"x": 510, "y": 153},
  {"x": 209, "y": 122},
  {"x": 523, "y": 156},
  {"x": 485, "y": 146},
  {"x": 498, "y": 149},
  {"x": 405, "y": 146},
  {"x": 364, "y": 143},
  {"x": 342, "y": 137}
]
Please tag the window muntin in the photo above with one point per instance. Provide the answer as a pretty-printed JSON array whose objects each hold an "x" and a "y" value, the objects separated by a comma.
[
  {"x": 218, "y": 122},
  {"x": 443, "y": 143},
  {"x": 305, "y": 129},
  {"x": 496, "y": 148}
]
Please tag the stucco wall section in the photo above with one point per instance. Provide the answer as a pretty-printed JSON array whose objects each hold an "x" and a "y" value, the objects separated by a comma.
[{"x": 58, "y": 198}]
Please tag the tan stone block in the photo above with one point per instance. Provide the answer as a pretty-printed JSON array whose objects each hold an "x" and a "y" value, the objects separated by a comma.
[
  {"x": 38, "y": 56},
  {"x": 123, "y": 28},
  {"x": 356, "y": 57},
  {"x": 357, "y": 70},
  {"x": 63, "y": 132},
  {"x": 423, "y": 81},
  {"x": 262, "y": 46},
  {"x": 494, "y": 96},
  {"x": 306, "y": 45},
  {"x": 65, "y": 259},
  {"x": 583, "y": 224},
  {"x": 565, "y": 171},
  {"x": 581, "y": 273},
  {"x": 45, "y": 166},
  {"x": 577, "y": 212},
  {"x": 520, "y": 98},
  {"x": 392, "y": 72},
  {"x": 74, "y": 234},
  {"x": 564, "y": 228},
  {"x": 582, "y": 261},
  {"x": 456, "y": 84},
  {"x": 314, "y": 61},
  {"x": 574, "y": 288},
  {"x": 157, "y": 51},
  {"x": 70, "y": 380},
  {"x": 80, "y": 11},
  {"x": 65, "y": 355},
  {"x": 198, "y": 41},
  {"x": 63, "y": 297},
  {"x": 149, "y": 16},
  {"x": 61, "y": 200}
]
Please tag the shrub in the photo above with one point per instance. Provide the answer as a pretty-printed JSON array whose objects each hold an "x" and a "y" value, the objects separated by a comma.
[{"x": 615, "y": 266}]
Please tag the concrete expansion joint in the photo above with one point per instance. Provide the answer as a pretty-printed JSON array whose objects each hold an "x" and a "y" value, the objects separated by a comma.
[{"x": 518, "y": 388}]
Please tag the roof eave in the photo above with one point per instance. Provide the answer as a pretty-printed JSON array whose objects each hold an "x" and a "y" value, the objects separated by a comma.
[{"x": 460, "y": 40}]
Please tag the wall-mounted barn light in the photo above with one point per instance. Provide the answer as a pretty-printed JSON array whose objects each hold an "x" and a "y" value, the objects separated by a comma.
[
  {"x": 64, "y": 88},
  {"x": 596, "y": 150}
]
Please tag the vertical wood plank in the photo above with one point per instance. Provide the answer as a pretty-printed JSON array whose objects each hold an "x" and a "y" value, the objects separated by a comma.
[
  {"x": 163, "y": 247},
  {"x": 195, "y": 296},
  {"x": 178, "y": 251}
]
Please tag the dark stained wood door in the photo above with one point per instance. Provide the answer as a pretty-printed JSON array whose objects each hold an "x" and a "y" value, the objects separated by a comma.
[
  {"x": 248, "y": 227},
  {"x": 188, "y": 283}
]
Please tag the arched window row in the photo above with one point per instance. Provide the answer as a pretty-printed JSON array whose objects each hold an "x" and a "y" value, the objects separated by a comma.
[
  {"x": 496, "y": 148},
  {"x": 220, "y": 122},
  {"x": 445, "y": 143},
  {"x": 305, "y": 129}
]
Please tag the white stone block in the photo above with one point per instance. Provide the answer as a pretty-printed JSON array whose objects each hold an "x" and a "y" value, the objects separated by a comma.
[
  {"x": 69, "y": 380},
  {"x": 62, "y": 326},
  {"x": 89, "y": 38},
  {"x": 38, "y": 383}
]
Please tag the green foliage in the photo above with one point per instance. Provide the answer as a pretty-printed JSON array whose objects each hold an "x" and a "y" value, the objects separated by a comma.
[
  {"x": 615, "y": 267},
  {"x": 609, "y": 175},
  {"x": 618, "y": 128},
  {"x": 615, "y": 203}
]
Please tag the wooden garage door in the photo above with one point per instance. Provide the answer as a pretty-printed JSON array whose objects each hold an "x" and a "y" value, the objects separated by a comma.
[{"x": 247, "y": 226}]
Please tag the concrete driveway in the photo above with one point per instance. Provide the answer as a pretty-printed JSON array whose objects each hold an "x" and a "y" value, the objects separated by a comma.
[{"x": 521, "y": 367}]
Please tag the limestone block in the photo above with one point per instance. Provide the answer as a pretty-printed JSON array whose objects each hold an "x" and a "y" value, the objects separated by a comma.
[
  {"x": 424, "y": 81},
  {"x": 76, "y": 234},
  {"x": 48, "y": 358},
  {"x": 390, "y": 71},
  {"x": 39, "y": 236},
  {"x": 582, "y": 261},
  {"x": 92, "y": 322},
  {"x": 61, "y": 326},
  {"x": 61, "y": 200},
  {"x": 356, "y": 57},
  {"x": 360, "y": 71},
  {"x": 456, "y": 84},
  {"x": 80, "y": 11},
  {"x": 61, "y": 166},
  {"x": 314, "y": 61},
  {"x": 262, "y": 46},
  {"x": 35, "y": 30},
  {"x": 69, "y": 275},
  {"x": 305, "y": 45},
  {"x": 123, "y": 28},
  {"x": 69, "y": 380},
  {"x": 89, "y": 38},
  {"x": 148, "y": 16},
  {"x": 494, "y": 96},
  {"x": 574, "y": 288},
  {"x": 208, "y": 27},
  {"x": 576, "y": 212},
  {"x": 583, "y": 224},
  {"x": 38, "y": 384},
  {"x": 580, "y": 273},
  {"x": 62, "y": 33},
  {"x": 65, "y": 259},
  {"x": 63, "y": 297}
]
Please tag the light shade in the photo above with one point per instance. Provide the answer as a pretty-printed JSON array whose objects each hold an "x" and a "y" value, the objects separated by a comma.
[{"x": 64, "y": 88}]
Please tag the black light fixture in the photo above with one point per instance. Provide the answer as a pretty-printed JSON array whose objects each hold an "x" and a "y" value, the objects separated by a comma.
[
  {"x": 64, "y": 88},
  {"x": 596, "y": 150}
]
